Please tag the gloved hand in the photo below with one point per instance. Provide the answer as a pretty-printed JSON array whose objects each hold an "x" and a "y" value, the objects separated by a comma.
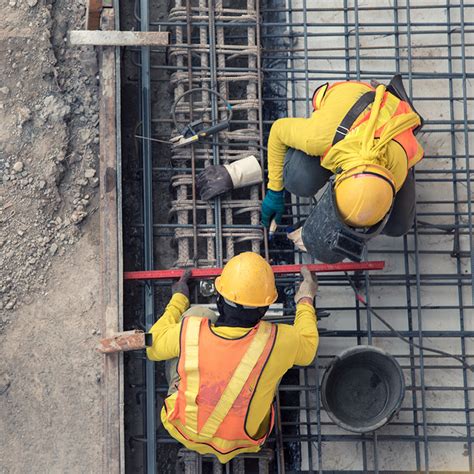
[
  {"x": 181, "y": 286},
  {"x": 218, "y": 179},
  {"x": 297, "y": 238},
  {"x": 214, "y": 180},
  {"x": 308, "y": 287},
  {"x": 273, "y": 206}
]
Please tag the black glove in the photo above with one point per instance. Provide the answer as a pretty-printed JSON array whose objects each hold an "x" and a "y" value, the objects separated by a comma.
[
  {"x": 181, "y": 286},
  {"x": 214, "y": 180}
]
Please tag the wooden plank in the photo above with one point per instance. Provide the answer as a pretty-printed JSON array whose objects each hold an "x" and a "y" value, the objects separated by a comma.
[
  {"x": 110, "y": 257},
  {"x": 93, "y": 9},
  {"x": 118, "y": 38}
]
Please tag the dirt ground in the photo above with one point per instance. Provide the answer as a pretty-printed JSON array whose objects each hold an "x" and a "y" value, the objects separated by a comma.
[{"x": 50, "y": 376}]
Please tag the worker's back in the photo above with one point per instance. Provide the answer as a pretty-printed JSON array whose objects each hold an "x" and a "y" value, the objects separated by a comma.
[
  {"x": 315, "y": 135},
  {"x": 223, "y": 373},
  {"x": 215, "y": 360}
]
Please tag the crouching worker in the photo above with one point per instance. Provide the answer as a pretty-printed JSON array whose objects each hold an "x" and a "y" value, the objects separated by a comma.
[
  {"x": 360, "y": 143},
  {"x": 223, "y": 370}
]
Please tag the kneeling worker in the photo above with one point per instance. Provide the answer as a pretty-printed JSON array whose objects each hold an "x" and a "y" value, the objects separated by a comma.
[
  {"x": 224, "y": 370},
  {"x": 361, "y": 139}
]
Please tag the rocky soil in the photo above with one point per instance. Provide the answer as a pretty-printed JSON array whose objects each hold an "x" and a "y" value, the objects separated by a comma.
[
  {"x": 50, "y": 375},
  {"x": 48, "y": 143}
]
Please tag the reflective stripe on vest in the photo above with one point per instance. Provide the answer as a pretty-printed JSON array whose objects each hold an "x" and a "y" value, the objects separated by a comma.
[
  {"x": 191, "y": 367},
  {"x": 209, "y": 425}
]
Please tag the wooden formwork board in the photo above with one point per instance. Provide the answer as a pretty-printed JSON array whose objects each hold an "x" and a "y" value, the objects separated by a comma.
[
  {"x": 118, "y": 38},
  {"x": 111, "y": 254},
  {"x": 93, "y": 9}
]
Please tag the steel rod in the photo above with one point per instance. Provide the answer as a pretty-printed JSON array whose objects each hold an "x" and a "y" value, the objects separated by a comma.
[
  {"x": 201, "y": 273},
  {"x": 145, "y": 108}
]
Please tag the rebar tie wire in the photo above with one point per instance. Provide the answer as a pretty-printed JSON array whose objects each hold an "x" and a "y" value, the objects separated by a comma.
[
  {"x": 361, "y": 299},
  {"x": 178, "y": 99},
  {"x": 200, "y": 89}
]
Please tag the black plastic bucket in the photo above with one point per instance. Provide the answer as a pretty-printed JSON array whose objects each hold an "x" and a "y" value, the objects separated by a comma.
[{"x": 362, "y": 389}]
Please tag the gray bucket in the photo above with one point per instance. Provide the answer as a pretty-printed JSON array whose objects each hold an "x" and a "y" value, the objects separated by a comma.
[{"x": 362, "y": 389}]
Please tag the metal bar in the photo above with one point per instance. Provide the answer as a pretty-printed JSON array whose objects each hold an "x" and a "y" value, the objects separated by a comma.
[
  {"x": 145, "y": 111},
  {"x": 215, "y": 118},
  {"x": 277, "y": 270},
  {"x": 280, "y": 453},
  {"x": 417, "y": 269},
  {"x": 260, "y": 136},
  {"x": 465, "y": 133},
  {"x": 192, "y": 150},
  {"x": 471, "y": 240}
]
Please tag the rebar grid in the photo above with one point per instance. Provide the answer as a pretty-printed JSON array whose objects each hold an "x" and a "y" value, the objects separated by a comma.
[
  {"x": 426, "y": 291},
  {"x": 199, "y": 52}
]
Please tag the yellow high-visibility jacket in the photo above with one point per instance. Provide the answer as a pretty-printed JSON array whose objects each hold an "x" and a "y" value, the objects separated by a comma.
[
  {"x": 294, "y": 345},
  {"x": 314, "y": 136}
]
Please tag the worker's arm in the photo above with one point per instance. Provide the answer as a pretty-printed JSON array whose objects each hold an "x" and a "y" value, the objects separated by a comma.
[
  {"x": 166, "y": 330},
  {"x": 306, "y": 327},
  {"x": 298, "y": 133},
  {"x": 305, "y": 319}
]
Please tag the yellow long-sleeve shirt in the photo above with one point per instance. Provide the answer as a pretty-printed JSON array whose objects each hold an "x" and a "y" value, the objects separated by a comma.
[
  {"x": 294, "y": 345},
  {"x": 314, "y": 136}
]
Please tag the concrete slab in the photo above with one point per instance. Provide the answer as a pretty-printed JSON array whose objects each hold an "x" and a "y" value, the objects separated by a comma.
[{"x": 364, "y": 40}]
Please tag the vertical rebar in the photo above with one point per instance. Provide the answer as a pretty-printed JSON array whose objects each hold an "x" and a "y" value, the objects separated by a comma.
[
  {"x": 414, "y": 399},
  {"x": 147, "y": 166},
  {"x": 215, "y": 118},
  {"x": 223, "y": 90},
  {"x": 182, "y": 192},
  {"x": 203, "y": 41},
  {"x": 191, "y": 119},
  {"x": 253, "y": 112},
  {"x": 260, "y": 115},
  {"x": 469, "y": 223},
  {"x": 417, "y": 267}
]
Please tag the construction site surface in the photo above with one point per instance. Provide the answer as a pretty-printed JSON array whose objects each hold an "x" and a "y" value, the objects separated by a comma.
[{"x": 98, "y": 201}]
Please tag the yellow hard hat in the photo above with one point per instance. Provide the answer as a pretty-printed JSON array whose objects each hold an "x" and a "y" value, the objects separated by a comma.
[
  {"x": 248, "y": 280},
  {"x": 364, "y": 194}
]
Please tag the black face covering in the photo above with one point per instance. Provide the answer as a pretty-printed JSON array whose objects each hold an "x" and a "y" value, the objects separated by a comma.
[{"x": 238, "y": 316}]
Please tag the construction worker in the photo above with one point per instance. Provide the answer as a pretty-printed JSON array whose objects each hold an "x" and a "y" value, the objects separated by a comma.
[
  {"x": 361, "y": 138},
  {"x": 223, "y": 371}
]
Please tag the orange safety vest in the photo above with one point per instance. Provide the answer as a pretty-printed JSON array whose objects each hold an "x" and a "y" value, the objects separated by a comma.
[
  {"x": 218, "y": 379},
  {"x": 391, "y": 107}
]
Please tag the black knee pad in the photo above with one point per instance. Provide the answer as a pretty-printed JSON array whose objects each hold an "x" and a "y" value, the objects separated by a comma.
[
  {"x": 302, "y": 174},
  {"x": 397, "y": 229},
  {"x": 401, "y": 222}
]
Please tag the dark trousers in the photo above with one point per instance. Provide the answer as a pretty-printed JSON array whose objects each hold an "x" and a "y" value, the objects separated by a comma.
[{"x": 304, "y": 176}]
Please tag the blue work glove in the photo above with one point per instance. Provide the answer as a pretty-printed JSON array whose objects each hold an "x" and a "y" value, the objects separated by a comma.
[{"x": 273, "y": 207}]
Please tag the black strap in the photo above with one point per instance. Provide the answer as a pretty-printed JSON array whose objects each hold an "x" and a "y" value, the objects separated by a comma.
[
  {"x": 343, "y": 129},
  {"x": 394, "y": 191},
  {"x": 396, "y": 88}
]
